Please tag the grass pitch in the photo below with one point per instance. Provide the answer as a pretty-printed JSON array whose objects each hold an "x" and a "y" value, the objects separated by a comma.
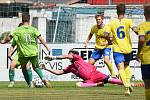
[{"x": 67, "y": 91}]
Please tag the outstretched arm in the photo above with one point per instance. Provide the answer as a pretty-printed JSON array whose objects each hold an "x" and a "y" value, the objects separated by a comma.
[
  {"x": 58, "y": 57},
  {"x": 56, "y": 72}
]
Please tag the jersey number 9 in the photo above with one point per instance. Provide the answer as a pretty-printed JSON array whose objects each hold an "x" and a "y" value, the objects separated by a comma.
[{"x": 120, "y": 32}]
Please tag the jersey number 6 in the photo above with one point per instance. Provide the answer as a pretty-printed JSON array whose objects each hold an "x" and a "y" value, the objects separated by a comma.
[{"x": 120, "y": 32}]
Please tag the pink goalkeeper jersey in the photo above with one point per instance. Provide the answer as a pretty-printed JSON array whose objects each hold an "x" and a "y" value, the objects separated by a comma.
[{"x": 84, "y": 70}]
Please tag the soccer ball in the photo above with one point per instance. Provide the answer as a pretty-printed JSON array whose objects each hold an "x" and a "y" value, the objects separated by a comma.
[{"x": 38, "y": 83}]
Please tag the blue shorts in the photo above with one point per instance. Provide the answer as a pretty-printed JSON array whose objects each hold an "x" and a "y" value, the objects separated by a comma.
[
  {"x": 120, "y": 57},
  {"x": 145, "y": 70},
  {"x": 97, "y": 54}
]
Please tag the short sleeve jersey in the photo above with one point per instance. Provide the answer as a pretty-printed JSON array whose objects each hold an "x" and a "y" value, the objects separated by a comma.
[
  {"x": 101, "y": 42},
  {"x": 80, "y": 68},
  {"x": 26, "y": 40},
  {"x": 144, "y": 30},
  {"x": 120, "y": 30}
]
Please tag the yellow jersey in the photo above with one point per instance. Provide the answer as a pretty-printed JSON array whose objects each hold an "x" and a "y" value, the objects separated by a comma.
[
  {"x": 144, "y": 29},
  {"x": 100, "y": 41},
  {"x": 120, "y": 30}
]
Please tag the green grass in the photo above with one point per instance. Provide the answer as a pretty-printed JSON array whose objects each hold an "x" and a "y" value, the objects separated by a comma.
[{"x": 67, "y": 91}]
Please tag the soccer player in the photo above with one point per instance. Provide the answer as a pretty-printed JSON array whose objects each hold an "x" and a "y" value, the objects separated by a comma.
[
  {"x": 15, "y": 63},
  {"x": 144, "y": 50},
  {"x": 118, "y": 31},
  {"x": 87, "y": 72},
  {"x": 27, "y": 72},
  {"x": 26, "y": 39},
  {"x": 101, "y": 46}
]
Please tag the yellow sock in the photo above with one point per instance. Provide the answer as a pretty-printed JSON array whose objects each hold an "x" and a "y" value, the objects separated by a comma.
[
  {"x": 123, "y": 77},
  {"x": 128, "y": 74},
  {"x": 147, "y": 94},
  {"x": 109, "y": 65}
]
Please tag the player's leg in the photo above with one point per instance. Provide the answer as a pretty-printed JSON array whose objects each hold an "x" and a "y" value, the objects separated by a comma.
[
  {"x": 96, "y": 54},
  {"x": 127, "y": 70},
  {"x": 127, "y": 67},
  {"x": 23, "y": 62},
  {"x": 115, "y": 81},
  {"x": 38, "y": 70},
  {"x": 119, "y": 61},
  {"x": 107, "y": 54},
  {"x": 12, "y": 73},
  {"x": 86, "y": 83},
  {"x": 145, "y": 69},
  {"x": 27, "y": 72}
]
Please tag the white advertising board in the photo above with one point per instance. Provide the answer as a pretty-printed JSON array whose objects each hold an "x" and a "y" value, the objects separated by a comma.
[{"x": 58, "y": 49}]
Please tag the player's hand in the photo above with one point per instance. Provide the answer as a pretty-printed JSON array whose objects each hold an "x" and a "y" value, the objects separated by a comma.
[
  {"x": 49, "y": 58},
  {"x": 43, "y": 66},
  {"x": 138, "y": 57},
  {"x": 9, "y": 56}
]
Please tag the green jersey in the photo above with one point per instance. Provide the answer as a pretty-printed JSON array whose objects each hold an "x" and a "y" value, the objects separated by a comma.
[{"x": 26, "y": 40}]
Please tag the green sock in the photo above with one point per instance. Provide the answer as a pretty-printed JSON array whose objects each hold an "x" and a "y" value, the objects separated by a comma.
[
  {"x": 26, "y": 76},
  {"x": 39, "y": 72},
  {"x": 11, "y": 74},
  {"x": 29, "y": 71}
]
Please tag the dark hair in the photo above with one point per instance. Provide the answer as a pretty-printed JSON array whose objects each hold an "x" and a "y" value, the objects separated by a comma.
[
  {"x": 99, "y": 15},
  {"x": 20, "y": 24},
  {"x": 25, "y": 18},
  {"x": 121, "y": 8},
  {"x": 73, "y": 51},
  {"x": 147, "y": 10}
]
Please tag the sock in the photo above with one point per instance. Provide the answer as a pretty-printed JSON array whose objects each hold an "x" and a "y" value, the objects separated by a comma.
[
  {"x": 29, "y": 71},
  {"x": 123, "y": 77},
  {"x": 81, "y": 84},
  {"x": 109, "y": 65},
  {"x": 26, "y": 76},
  {"x": 11, "y": 74},
  {"x": 128, "y": 74},
  {"x": 39, "y": 72},
  {"x": 147, "y": 94},
  {"x": 115, "y": 81}
]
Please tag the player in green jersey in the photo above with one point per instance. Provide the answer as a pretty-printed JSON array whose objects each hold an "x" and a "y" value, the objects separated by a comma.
[{"x": 26, "y": 39}]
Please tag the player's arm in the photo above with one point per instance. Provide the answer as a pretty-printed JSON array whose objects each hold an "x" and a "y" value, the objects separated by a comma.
[
  {"x": 141, "y": 40},
  {"x": 56, "y": 72},
  {"x": 88, "y": 39},
  {"x": 107, "y": 34},
  {"x": 11, "y": 49},
  {"x": 43, "y": 42},
  {"x": 135, "y": 29},
  {"x": 8, "y": 39},
  {"x": 59, "y": 57}
]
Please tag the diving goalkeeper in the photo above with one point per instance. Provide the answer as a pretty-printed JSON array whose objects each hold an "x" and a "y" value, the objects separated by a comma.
[{"x": 91, "y": 77}]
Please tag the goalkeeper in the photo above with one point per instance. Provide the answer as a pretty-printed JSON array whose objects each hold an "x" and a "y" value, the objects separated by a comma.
[{"x": 91, "y": 77}]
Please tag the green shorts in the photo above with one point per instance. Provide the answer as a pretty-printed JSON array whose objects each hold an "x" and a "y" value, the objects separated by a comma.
[{"x": 24, "y": 60}]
